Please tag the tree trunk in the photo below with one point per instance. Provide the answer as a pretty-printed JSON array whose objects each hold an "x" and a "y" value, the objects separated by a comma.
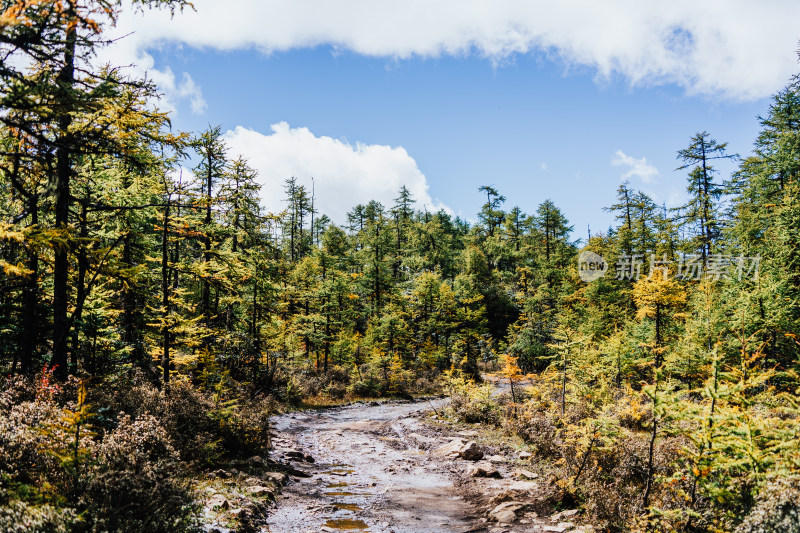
[
  {"x": 564, "y": 385},
  {"x": 30, "y": 324},
  {"x": 650, "y": 460},
  {"x": 83, "y": 266},
  {"x": 165, "y": 295},
  {"x": 66, "y": 78},
  {"x": 327, "y": 338},
  {"x": 207, "y": 244}
]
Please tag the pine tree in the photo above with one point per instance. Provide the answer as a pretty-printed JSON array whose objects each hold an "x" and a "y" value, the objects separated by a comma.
[
  {"x": 51, "y": 102},
  {"x": 701, "y": 212},
  {"x": 491, "y": 215},
  {"x": 623, "y": 210}
]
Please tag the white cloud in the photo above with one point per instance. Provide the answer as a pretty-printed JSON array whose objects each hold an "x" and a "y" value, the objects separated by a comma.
[
  {"x": 175, "y": 91},
  {"x": 543, "y": 166},
  {"x": 129, "y": 51},
  {"x": 636, "y": 168},
  {"x": 344, "y": 175},
  {"x": 739, "y": 49}
]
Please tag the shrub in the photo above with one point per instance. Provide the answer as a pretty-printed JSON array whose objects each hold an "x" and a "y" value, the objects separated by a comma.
[
  {"x": 21, "y": 517},
  {"x": 471, "y": 402},
  {"x": 30, "y": 470},
  {"x": 185, "y": 415},
  {"x": 134, "y": 484},
  {"x": 365, "y": 388},
  {"x": 634, "y": 413},
  {"x": 777, "y": 509},
  {"x": 24, "y": 457},
  {"x": 244, "y": 425},
  {"x": 336, "y": 390},
  {"x": 538, "y": 428}
]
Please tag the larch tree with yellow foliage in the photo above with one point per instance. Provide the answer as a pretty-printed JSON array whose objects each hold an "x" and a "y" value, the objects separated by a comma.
[
  {"x": 657, "y": 298},
  {"x": 512, "y": 373}
]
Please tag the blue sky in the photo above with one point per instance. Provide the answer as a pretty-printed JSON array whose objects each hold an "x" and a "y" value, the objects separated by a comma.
[{"x": 536, "y": 122}]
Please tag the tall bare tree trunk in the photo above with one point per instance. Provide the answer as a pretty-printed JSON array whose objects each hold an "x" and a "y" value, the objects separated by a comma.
[{"x": 66, "y": 78}]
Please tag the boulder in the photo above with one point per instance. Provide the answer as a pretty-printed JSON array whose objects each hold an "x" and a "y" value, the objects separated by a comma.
[
  {"x": 261, "y": 491},
  {"x": 241, "y": 513},
  {"x": 485, "y": 470},
  {"x": 504, "y": 496},
  {"x": 471, "y": 452},
  {"x": 525, "y": 474},
  {"x": 298, "y": 455},
  {"x": 462, "y": 448},
  {"x": 450, "y": 449},
  {"x": 518, "y": 490},
  {"x": 523, "y": 486},
  {"x": 507, "y": 512},
  {"x": 279, "y": 478}
]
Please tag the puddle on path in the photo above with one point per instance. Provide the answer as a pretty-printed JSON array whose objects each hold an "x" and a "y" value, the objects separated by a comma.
[
  {"x": 345, "y": 524},
  {"x": 340, "y": 472},
  {"x": 348, "y": 506},
  {"x": 336, "y": 485}
]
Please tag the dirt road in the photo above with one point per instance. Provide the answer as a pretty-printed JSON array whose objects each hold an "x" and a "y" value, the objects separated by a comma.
[{"x": 371, "y": 471}]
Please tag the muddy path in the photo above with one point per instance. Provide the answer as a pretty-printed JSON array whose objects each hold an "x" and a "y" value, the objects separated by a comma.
[{"x": 371, "y": 471}]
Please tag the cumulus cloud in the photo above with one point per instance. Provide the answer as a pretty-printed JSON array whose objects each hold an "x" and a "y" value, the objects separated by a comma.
[
  {"x": 344, "y": 174},
  {"x": 128, "y": 50},
  {"x": 174, "y": 90},
  {"x": 739, "y": 49},
  {"x": 636, "y": 168}
]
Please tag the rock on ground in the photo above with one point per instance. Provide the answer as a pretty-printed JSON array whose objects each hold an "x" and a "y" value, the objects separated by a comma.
[
  {"x": 485, "y": 470},
  {"x": 506, "y": 512},
  {"x": 462, "y": 448}
]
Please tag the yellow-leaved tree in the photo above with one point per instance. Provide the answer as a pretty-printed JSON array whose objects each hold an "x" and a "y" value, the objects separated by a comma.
[
  {"x": 658, "y": 298},
  {"x": 512, "y": 373}
]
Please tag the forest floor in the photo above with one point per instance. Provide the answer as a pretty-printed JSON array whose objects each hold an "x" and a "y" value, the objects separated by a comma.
[{"x": 397, "y": 467}]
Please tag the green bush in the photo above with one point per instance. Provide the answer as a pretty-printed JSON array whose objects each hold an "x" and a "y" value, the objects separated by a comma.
[
  {"x": 134, "y": 482},
  {"x": 471, "y": 402},
  {"x": 366, "y": 388}
]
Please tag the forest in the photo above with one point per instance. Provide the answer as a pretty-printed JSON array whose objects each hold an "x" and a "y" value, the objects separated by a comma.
[{"x": 153, "y": 319}]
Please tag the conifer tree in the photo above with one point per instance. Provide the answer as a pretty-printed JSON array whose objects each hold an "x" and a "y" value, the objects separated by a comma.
[
  {"x": 491, "y": 215},
  {"x": 701, "y": 212},
  {"x": 623, "y": 210}
]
